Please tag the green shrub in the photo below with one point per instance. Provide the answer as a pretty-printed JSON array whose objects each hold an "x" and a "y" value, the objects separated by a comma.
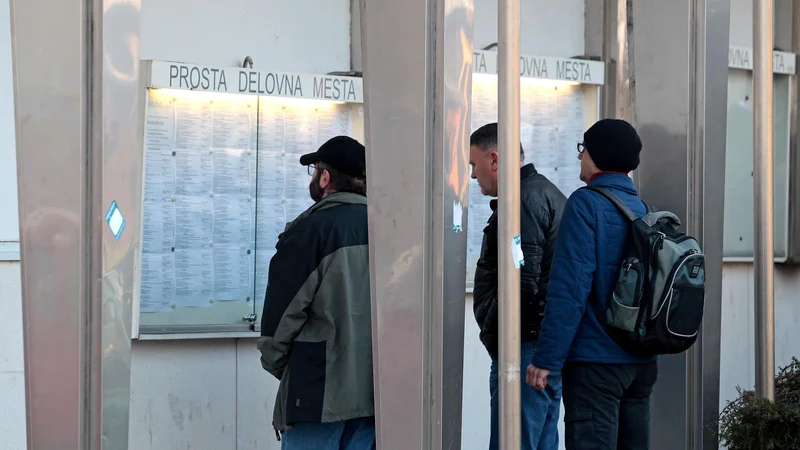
[{"x": 752, "y": 423}]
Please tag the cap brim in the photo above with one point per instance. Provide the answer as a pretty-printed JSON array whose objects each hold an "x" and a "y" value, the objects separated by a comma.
[{"x": 309, "y": 159}]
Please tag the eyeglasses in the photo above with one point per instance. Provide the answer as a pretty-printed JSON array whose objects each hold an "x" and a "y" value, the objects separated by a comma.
[
  {"x": 581, "y": 147},
  {"x": 311, "y": 169}
]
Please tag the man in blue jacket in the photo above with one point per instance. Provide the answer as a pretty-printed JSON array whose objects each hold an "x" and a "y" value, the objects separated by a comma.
[{"x": 606, "y": 390}]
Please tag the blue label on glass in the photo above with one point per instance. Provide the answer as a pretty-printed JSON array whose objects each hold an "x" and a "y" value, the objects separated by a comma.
[{"x": 115, "y": 220}]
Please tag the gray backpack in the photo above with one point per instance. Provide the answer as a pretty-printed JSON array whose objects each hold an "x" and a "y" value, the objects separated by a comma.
[{"x": 657, "y": 305}]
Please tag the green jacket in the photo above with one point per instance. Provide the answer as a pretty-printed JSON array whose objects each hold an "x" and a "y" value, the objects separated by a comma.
[{"x": 316, "y": 325}]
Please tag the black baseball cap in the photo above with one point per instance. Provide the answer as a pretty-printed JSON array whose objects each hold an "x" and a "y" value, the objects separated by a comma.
[{"x": 342, "y": 153}]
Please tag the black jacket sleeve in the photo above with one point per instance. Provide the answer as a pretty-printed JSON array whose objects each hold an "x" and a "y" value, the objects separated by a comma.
[{"x": 534, "y": 221}]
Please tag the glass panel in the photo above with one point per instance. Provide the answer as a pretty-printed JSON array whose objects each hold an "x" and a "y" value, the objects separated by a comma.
[
  {"x": 288, "y": 129},
  {"x": 198, "y": 237},
  {"x": 738, "y": 224},
  {"x": 222, "y": 178}
]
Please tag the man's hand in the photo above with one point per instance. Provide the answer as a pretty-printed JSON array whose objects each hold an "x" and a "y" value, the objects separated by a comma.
[{"x": 536, "y": 377}]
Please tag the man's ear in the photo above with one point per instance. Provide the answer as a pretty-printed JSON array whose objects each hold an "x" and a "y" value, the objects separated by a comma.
[
  {"x": 494, "y": 158},
  {"x": 324, "y": 179}
]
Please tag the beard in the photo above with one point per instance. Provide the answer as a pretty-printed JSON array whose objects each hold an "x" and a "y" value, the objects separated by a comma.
[{"x": 315, "y": 190}]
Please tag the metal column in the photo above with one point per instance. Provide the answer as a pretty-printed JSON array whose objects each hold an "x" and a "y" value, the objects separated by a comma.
[
  {"x": 508, "y": 221},
  {"x": 623, "y": 72},
  {"x": 607, "y": 91},
  {"x": 763, "y": 198},
  {"x": 77, "y": 121},
  {"x": 678, "y": 93},
  {"x": 417, "y": 58}
]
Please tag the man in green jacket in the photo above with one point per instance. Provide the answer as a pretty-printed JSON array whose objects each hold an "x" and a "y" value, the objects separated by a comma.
[{"x": 316, "y": 331}]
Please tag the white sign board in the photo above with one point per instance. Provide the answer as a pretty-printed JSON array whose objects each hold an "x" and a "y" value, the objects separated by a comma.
[
  {"x": 742, "y": 58},
  {"x": 545, "y": 67},
  {"x": 233, "y": 80}
]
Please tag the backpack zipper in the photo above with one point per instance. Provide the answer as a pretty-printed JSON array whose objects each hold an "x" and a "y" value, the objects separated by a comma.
[{"x": 658, "y": 244}]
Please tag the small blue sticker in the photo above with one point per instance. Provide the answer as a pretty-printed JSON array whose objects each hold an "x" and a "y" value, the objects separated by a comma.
[{"x": 115, "y": 220}]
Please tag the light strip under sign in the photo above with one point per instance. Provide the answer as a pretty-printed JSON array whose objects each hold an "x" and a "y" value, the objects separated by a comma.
[
  {"x": 742, "y": 58},
  {"x": 571, "y": 70},
  {"x": 236, "y": 80}
]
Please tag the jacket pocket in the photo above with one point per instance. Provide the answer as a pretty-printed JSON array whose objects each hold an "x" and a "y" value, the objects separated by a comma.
[
  {"x": 687, "y": 298},
  {"x": 579, "y": 428},
  {"x": 306, "y": 384}
]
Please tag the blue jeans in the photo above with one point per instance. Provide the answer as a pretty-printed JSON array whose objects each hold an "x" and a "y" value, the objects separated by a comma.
[
  {"x": 354, "y": 434},
  {"x": 539, "y": 409}
]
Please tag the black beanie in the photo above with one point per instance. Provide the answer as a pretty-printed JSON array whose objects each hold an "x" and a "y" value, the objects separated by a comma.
[{"x": 613, "y": 145}]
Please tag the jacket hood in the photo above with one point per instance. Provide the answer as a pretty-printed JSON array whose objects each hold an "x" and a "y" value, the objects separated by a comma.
[{"x": 335, "y": 199}]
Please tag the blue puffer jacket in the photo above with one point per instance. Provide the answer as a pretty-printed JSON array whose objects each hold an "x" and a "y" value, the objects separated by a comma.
[{"x": 588, "y": 255}]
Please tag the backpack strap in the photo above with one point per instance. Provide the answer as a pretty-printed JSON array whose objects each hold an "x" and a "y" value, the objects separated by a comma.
[{"x": 630, "y": 215}]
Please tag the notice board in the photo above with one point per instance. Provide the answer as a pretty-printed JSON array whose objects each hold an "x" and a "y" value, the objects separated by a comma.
[
  {"x": 738, "y": 238},
  {"x": 221, "y": 180}
]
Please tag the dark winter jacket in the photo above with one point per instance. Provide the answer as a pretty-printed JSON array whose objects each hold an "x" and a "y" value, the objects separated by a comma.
[
  {"x": 316, "y": 332},
  {"x": 540, "y": 215}
]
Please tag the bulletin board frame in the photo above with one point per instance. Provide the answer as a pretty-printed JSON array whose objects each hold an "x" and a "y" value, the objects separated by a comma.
[
  {"x": 738, "y": 238},
  {"x": 222, "y": 84},
  {"x": 793, "y": 244}
]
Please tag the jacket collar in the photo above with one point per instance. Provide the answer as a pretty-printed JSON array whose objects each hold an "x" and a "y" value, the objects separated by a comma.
[
  {"x": 338, "y": 198},
  {"x": 614, "y": 180},
  {"x": 525, "y": 171}
]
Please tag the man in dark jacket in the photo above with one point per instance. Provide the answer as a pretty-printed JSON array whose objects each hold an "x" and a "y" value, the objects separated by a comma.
[
  {"x": 540, "y": 214},
  {"x": 606, "y": 390},
  {"x": 316, "y": 329}
]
